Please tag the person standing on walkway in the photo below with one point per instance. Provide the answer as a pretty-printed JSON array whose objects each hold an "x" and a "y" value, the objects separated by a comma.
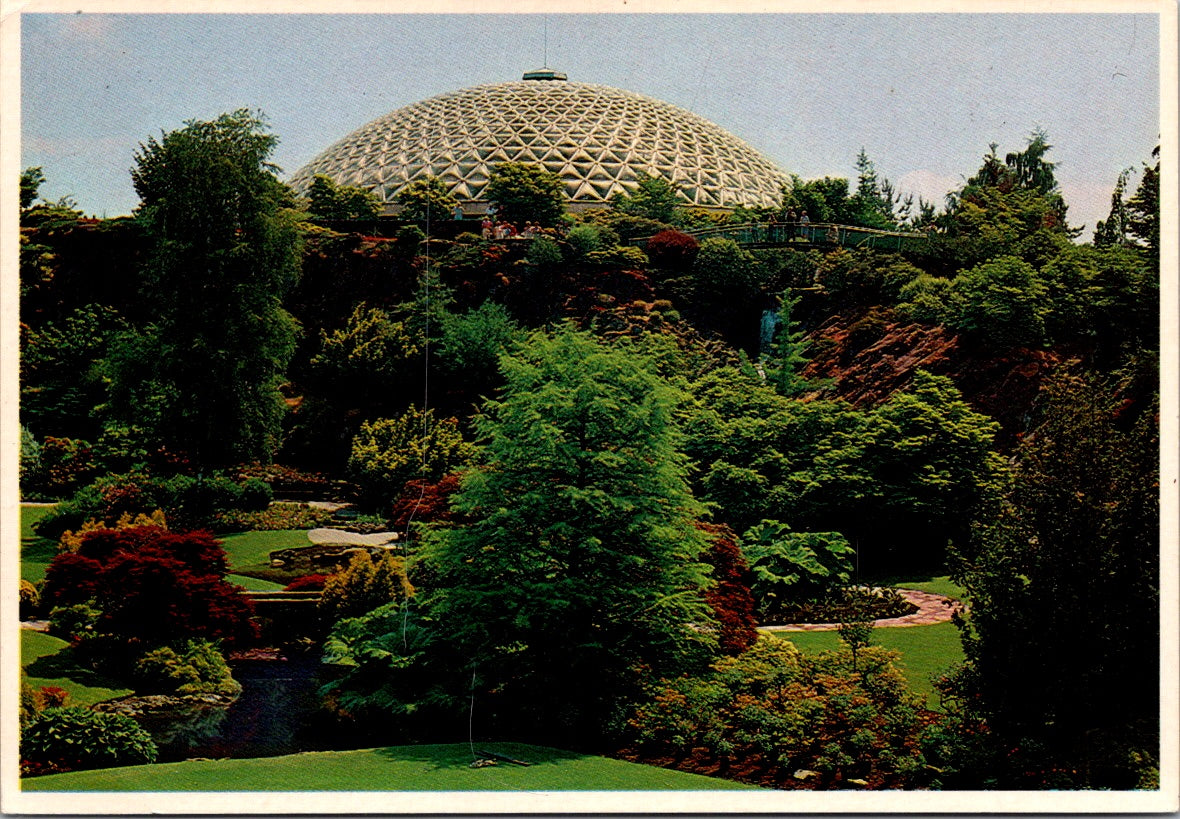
[{"x": 804, "y": 230}]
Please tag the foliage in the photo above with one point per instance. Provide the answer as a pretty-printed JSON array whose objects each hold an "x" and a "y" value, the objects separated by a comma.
[
  {"x": 1143, "y": 209},
  {"x": 425, "y": 200},
  {"x": 1063, "y": 583},
  {"x": 1001, "y": 302},
  {"x": 672, "y": 250},
  {"x": 390, "y": 451},
  {"x": 151, "y": 586},
  {"x": 327, "y": 200},
  {"x": 76, "y": 738},
  {"x": 277, "y": 517},
  {"x": 61, "y": 382},
  {"x": 791, "y": 720},
  {"x": 789, "y": 351},
  {"x": 71, "y": 541},
  {"x": 579, "y": 559},
  {"x": 367, "y": 360},
  {"x": 309, "y": 582},
  {"x": 583, "y": 239},
  {"x": 721, "y": 291},
  {"x": 426, "y": 501},
  {"x": 526, "y": 193},
  {"x": 472, "y": 343},
  {"x": 652, "y": 198},
  {"x": 62, "y": 465},
  {"x": 204, "y": 374},
  {"x": 791, "y": 567},
  {"x": 729, "y": 596},
  {"x": 365, "y": 585},
  {"x": 197, "y": 668},
  {"x": 31, "y": 180},
  {"x": 73, "y": 622},
  {"x": 30, "y": 600}
]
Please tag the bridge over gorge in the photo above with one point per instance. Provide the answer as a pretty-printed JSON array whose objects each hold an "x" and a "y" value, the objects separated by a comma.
[{"x": 805, "y": 236}]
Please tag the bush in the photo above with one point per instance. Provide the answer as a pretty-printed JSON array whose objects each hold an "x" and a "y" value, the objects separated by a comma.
[
  {"x": 365, "y": 585},
  {"x": 778, "y": 712},
  {"x": 309, "y": 582},
  {"x": 672, "y": 250},
  {"x": 583, "y": 239},
  {"x": 76, "y": 738},
  {"x": 275, "y": 517},
  {"x": 29, "y": 706},
  {"x": 730, "y": 596},
  {"x": 390, "y": 451},
  {"x": 199, "y": 668},
  {"x": 151, "y": 585},
  {"x": 256, "y": 495},
  {"x": 52, "y": 696},
  {"x": 74, "y": 622},
  {"x": 30, "y": 600},
  {"x": 793, "y": 567}
]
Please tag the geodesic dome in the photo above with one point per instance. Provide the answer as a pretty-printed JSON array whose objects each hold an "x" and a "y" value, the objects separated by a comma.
[{"x": 596, "y": 138}]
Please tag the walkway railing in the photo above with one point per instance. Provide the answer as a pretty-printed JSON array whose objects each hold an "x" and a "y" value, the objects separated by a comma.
[{"x": 780, "y": 234}]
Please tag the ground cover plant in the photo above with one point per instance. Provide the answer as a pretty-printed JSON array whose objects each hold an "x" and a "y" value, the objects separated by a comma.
[{"x": 398, "y": 768}]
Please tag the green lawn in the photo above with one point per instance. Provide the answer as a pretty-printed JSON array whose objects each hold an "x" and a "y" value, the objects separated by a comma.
[
  {"x": 253, "y": 583},
  {"x": 35, "y": 552},
  {"x": 46, "y": 663},
  {"x": 399, "y": 768},
  {"x": 926, "y": 651},
  {"x": 251, "y": 550},
  {"x": 935, "y": 584}
]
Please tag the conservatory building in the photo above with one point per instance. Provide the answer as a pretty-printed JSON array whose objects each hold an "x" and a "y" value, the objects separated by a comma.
[{"x": 597, "y": 139}]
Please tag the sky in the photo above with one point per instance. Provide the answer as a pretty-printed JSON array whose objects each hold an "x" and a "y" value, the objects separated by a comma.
[{"x": 923, "y": 94}]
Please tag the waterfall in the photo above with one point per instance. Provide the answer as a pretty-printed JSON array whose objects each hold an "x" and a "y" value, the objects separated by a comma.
[{"x": 766, "y": 333}]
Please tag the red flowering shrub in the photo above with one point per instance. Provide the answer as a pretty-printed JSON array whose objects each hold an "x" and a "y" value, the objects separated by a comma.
[
  {"x": 730, "y": 599},
  {"x": 152, "y": 585},
  {"x": 52, "y": 696},
  {"x": 309, "y": 582},
  {"x": 426, "y": 502},
  {"x": 672, "y": 250},
  {"x": 70, "y": 579}
]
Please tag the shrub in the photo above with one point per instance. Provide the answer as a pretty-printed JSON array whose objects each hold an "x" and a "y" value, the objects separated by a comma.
[
  {"x": 77, "y": 738},
  {"x": 151, "y": 585},
  {"x": 730, "y": 596},
  {"x": 309, "y": 582},
  {"x": 672, "y": 250},
  {"x": 52, "y": 696},
  {"x": 71, "y": 541},
  {"x": 777, "y": 712},
  {"x": 425, "y": 501},
  {"x": 793, "y": 567},
  {"x": 29, "y": 706},
  {"x": 30, "y": 600},
  {"x": 1002, "y": 302},
  {"x": 256, "y": 495},
  {"x": 274, "y": 518},
  {"x": 365, "y": 585},
  {"x": 74, "y": 622},
  {"x": 388, "y": 452},
  {"x": 583, "y": 239},
  {"x": 198, "y": 668},
  {"x": 29, "y": 464}
]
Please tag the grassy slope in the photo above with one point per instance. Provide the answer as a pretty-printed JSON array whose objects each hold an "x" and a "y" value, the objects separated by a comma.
[
  {"x": 42, "y": 657},
  {"x": 925, "y": 651},
  {"x": 400, "y": 768},
  {"x": 35, "y": 552},
  {"x": 248, "y": 550}
]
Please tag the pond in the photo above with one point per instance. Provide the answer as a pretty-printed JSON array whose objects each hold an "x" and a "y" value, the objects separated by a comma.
[{"x": 271, "y": 717}]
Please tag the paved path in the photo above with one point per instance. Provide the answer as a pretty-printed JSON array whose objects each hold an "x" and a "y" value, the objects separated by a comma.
[
  {"x": 932, "y": 608},
  {"x": 344, "y": 538}
]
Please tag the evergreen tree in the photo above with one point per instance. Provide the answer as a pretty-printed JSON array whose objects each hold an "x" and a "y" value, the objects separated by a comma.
[
  {"x": 526, "y": 193},
  {"x": 205, "y": 373},
  {"x": 580, "y": 565},
  {"x": 785, "y": 366},
  {"x": 653, "y": 198},
  {"x": 426, "y": 200},
  {"x": 327, "y": 200},
  {"x": 1143, "y": 209},
  {"x": 1062, "y": 639}
]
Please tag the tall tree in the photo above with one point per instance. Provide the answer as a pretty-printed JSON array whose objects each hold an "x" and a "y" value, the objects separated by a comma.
[
  {"x": 653, "y": 198},
  {"x": 205, "y": 373},
  {"x": 1062, "y": 638},
  {"x": 526, "y": 193},
  {"x": 1143, "y": 209},
  {"x": 327, "y": 200},
  {"x": 426, "y": 200},
  {"x": 580, "y": 564}
]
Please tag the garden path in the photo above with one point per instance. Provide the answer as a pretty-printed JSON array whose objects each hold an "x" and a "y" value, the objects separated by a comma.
[{"x": 932, "y": 608}]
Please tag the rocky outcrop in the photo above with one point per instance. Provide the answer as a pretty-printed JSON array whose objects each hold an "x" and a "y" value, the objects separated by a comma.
[{"x": 866, "y": 357}]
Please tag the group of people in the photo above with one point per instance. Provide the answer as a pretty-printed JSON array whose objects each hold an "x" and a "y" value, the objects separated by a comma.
[
  {"x": 798, "y": 224},
  {"x": 491, "y": 229}
]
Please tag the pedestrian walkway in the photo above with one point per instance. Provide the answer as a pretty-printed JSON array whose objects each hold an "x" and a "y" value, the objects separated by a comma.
[{"x": 932, "y": 608}]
